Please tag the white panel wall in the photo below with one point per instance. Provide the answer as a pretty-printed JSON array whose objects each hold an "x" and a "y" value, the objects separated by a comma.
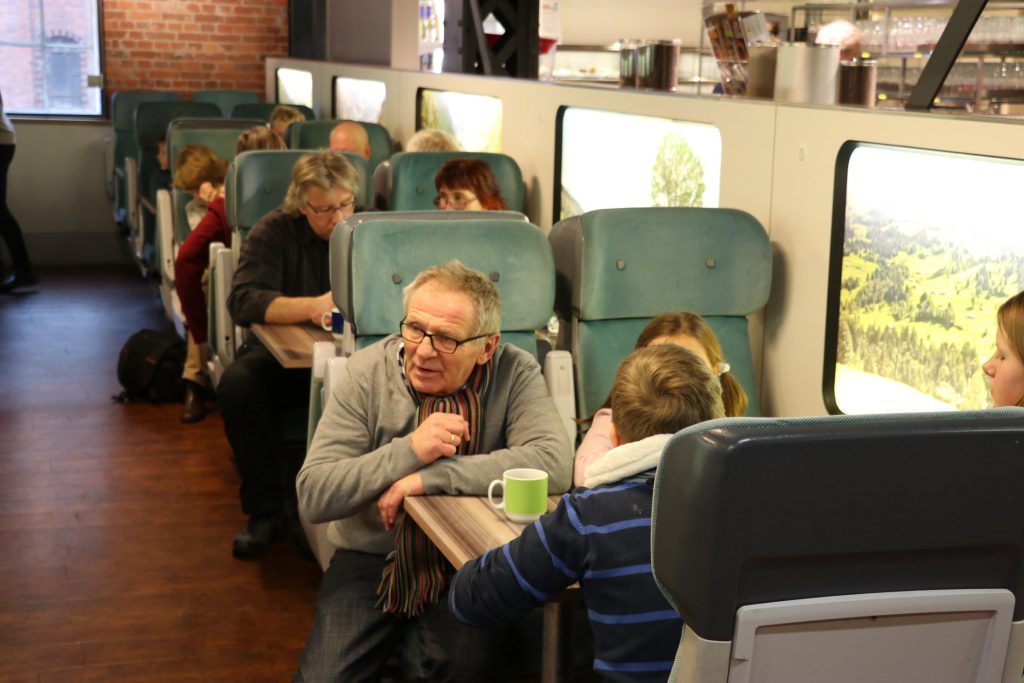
[{"x": 56, "y": 189}]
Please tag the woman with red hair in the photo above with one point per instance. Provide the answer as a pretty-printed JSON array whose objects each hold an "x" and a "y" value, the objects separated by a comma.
[{"x": 467, "y": 185}]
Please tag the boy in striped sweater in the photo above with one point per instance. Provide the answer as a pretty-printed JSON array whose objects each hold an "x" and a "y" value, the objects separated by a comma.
[{"x": 600, "y": 533}]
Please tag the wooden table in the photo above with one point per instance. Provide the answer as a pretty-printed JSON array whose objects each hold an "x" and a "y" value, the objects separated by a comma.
[
  {"x": 463, "y": 527},
  {"x": 291, "y": 345}
]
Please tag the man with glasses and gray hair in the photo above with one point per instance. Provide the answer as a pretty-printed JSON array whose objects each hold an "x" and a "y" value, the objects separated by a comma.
[
  {"x": 438, "y": 408},
  {"x": 282, "y": 277}
]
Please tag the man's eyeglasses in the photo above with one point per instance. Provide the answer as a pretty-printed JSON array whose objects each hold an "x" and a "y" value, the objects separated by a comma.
[
  {"x": 456, "y": 201},
  {"x": 343, "y": 208},
  {"x": 440, "y": 342}
]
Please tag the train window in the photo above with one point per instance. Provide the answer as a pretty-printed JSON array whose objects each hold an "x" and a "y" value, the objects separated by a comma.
[
  {"x": 662, "y": 162},
  {"x": 295, "y": 86},
  {"x": 925, "y": 247},
  {"x": 58, "y": 47},
  {"x": 474, "y": 120},
  {"x": 358, "y": 100}
]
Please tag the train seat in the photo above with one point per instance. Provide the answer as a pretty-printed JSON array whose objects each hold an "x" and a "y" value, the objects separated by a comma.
[
  {"x": 172, "y": 228},
  {"x": 845, "y": 548},
  {"x": 262, "y": 110},
  {"x": 122, "y": 116},
  {"x": 151, "y": 125},
  {"x": 410, "y": 186},
  {"x": 227, "y": 99},
  {"x": 317, "y": 134},
  {"x": 618, "y": 268}
]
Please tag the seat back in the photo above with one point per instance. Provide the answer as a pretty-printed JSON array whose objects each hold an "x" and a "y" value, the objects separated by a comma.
[
  {"x": 618, "y": 268},
  {"x": 374, "y": 257},
  {"x": 845, "y": 548},
  {"x": 122, "y": 116},
  {"x": 317, "y": 134},
  {"x": 262, "y": 110},
  {"x": 226, "y": 99},
  {"x": 151, "y": 124},
  {"x": 411, "y": 186},
  {"x": 222, "y": 334},
  {"x": 258, "y": 181}
]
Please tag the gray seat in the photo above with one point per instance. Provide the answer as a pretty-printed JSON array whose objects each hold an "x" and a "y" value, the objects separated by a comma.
[
  {"x": 317, "y": 134},
  {"x": 226, "y": 99},
  {"x": 618, "y": 268},
  {"x": 122, "y": 116},
  {"x": 262, "y": 110},
  {"x": 846, "y": 548}
]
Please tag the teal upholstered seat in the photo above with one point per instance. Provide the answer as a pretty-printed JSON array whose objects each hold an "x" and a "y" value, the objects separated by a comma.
[
  {"x": 411, "y": 187},
  {"x": 317, "y": 134},
  {"x": 258, "y": 181},
  {"x": 122, "y": 116},
  {"x": 374, "y": 257},
  {"x": 151, "y": 124},
  {"x": 618, "y": 268},
  {"x": 227, "y": 99},
  {"x": 262, "y": 110}
]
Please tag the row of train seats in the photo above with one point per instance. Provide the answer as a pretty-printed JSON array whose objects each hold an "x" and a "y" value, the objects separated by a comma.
[{"x": 374, "y": 256}]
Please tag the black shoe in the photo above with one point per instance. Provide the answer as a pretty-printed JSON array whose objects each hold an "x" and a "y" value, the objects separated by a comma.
[
  {"x": 19, "y": 279},
  {"x": 258, "y": 534},
  {"x": 193, "y": 408}
]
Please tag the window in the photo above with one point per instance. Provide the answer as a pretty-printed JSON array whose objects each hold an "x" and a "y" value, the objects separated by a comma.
[
  {"x": 671, "y": 163},
  {"x": 474, "y": 120},
  {"x": 55, "y": 45},
  {"x": 358, "y": 100},
  {"x": 295, "y": 87},
  {"x": 925, "y": 247}
]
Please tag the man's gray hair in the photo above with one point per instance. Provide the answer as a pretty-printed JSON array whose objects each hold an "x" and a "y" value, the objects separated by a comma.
[
  {"x": 476, "y": 285},
  {"x": 324, "y": 169}
]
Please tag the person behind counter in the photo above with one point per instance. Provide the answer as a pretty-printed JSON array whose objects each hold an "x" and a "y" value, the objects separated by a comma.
[{"x": 599, "y": 535}]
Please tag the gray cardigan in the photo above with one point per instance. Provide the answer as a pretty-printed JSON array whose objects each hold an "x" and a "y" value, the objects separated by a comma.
[{"x": 363, "y": 443}]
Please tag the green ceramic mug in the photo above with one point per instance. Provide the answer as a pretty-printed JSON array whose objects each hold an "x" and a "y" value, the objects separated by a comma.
[{"x": 525, "y": 496}]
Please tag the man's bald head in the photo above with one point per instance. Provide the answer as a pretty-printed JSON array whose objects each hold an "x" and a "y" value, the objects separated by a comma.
[{"x": 349, "y": 136}]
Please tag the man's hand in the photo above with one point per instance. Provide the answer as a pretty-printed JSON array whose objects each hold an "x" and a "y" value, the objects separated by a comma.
[
  {"x": 391, "y": 500},
  {"x": 321, "y": 304},
  {"x": 439, "y": 436}
]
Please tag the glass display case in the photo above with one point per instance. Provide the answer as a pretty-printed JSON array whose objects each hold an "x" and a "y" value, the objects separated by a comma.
[{"x": 600, "y": 65}]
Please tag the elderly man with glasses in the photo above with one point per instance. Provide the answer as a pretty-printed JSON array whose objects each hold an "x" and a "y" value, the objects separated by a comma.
[
  {"x": 282, "y": 277},
  {"x": 441, "y": 407}
]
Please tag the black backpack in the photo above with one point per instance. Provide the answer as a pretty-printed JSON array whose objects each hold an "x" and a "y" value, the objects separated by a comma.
[{"x": 150, "y": 368}]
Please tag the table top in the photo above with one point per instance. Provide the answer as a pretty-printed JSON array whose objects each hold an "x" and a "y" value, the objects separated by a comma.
[
  {"x": 291, "y": 345},
  {"x": 463, "y": 527}
]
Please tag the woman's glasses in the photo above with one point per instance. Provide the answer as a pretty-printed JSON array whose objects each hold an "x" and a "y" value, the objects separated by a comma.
[{"x": 455, "y": 200}]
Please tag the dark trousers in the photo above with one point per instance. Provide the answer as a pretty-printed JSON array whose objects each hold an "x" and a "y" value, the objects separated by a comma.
[
  {"x": 351, "y": 638},
  {"x": 10, "y": 231},
  {"x": 256, "y": 395}
]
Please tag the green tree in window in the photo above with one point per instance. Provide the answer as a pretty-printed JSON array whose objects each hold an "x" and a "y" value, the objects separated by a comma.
[{"x": 677, "y": 177}]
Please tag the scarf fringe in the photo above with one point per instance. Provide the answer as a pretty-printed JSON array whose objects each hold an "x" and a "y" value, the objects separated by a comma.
[{"x": 415, "y": 575}]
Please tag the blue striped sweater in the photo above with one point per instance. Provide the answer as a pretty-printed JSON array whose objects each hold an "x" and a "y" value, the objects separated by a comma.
[{"x": 601, "y": 538}]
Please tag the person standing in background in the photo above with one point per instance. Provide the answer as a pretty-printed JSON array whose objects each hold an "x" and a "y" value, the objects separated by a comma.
[{"x": 10, "y": 231}]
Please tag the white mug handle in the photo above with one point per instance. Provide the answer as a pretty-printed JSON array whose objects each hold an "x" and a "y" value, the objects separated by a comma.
[
  {"x": 490, "y": 494},
  {"x": 326, "y": 324}
]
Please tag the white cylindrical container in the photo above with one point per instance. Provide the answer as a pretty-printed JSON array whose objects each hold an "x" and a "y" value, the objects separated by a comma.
[{"x": 806, "y": 74}]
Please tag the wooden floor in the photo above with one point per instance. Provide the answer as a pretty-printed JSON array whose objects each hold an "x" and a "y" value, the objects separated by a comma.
[{"x": 116, "y": 520}]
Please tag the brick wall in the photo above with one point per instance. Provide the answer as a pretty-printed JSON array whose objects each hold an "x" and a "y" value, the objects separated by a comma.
[{"x": 189, "y": 45}]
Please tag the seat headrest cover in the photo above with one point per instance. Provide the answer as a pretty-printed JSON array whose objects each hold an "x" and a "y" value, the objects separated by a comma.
[
  {"x": 317, "y": 134},
  {"x": 387, "y": 256},
  {"x": 748, "y": 511},
  {"x": 412, "y": 178},
  {"x": 123, "y": 104},
  {"x": 226, "y": 99},
  {"x": 258, "y": 182},
  {"x": 638, "y": 263}
]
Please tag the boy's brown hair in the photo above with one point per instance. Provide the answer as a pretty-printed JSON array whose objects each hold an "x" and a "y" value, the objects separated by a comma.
[
  {"x": 258, "y": 137},
  {"x": 662, "y": 389},
  {"x": 285, "y": 114},
  {"x": 197, "y": 164}
]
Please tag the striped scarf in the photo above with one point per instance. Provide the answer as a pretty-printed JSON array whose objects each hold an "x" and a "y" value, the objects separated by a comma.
[{"x": 415, "y": 574}]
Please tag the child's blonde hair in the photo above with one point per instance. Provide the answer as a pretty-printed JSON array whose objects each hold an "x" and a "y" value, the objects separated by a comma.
[
  {"x": 286, "y": 115},
  {"x": 197, "y": 164},
  {"x": 662, "y": 389}
]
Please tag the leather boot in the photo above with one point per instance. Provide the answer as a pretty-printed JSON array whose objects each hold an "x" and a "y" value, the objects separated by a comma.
[{"x": 193, "y": 409}]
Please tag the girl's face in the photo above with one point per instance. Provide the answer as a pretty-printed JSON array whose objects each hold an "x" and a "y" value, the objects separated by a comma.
[
  {"x": 687, "y": 342},
  {"x": 1005, "y": 374}
]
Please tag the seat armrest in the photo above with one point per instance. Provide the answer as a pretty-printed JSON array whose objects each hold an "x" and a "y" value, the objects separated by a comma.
[
  {"x": 558, "y": 376},
  {"x": 131, "y": 175},
  {"x": 165, "y": 236}
]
